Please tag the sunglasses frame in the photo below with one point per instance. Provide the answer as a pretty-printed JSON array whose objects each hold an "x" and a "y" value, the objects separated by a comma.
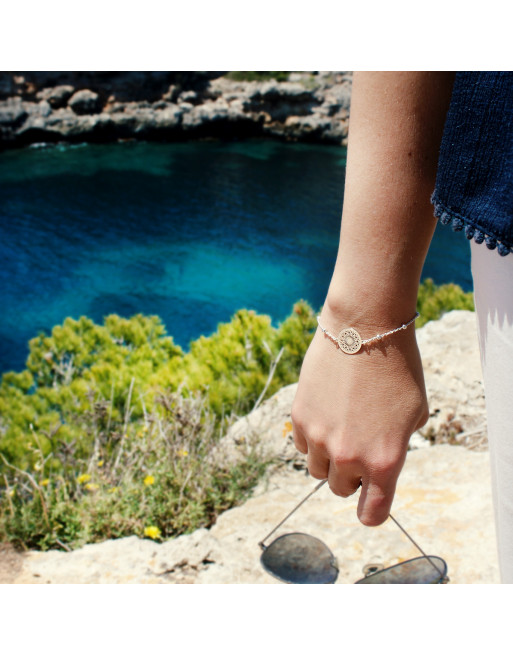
[{"x": 371, "y": 568}]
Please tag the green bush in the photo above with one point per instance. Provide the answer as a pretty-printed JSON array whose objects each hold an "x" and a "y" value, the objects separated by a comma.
[
  {"x": 90, "y": 391},
  {"x": 433, "y": 301},
  {"x": 111, "y": 430},
  {"x": 158, "y": 479},
  {"x": 258, "y": 76}
]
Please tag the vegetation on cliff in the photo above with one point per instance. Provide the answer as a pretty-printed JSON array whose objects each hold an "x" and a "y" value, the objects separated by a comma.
[{"x": 111, "y": 430}]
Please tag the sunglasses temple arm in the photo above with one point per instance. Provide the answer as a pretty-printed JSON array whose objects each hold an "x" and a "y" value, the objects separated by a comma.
[
  {"x": 416, "y": 544},
  {"x": 262, "y": 543}
]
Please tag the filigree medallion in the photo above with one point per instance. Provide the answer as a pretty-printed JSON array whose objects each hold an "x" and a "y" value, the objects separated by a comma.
[{"x": 349, "y": 341}]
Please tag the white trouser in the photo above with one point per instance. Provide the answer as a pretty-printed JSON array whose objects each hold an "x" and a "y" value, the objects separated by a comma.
[{"x": 493, "y": 293}]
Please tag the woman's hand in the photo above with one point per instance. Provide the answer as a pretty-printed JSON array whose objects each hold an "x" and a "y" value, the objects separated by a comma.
[{"x": 354, "y": 414}]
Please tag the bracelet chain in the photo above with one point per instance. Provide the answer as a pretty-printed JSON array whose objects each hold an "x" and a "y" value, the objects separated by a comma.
[{"x": 350, "y": 342}]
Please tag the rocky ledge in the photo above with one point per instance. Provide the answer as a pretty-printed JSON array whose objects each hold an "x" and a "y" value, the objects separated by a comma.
[
  {"x": 443, "y": 496},
  {"x": 40, "y": 107}
]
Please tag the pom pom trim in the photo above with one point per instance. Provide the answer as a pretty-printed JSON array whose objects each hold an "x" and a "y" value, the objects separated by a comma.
[{"x": 471, "y": 231}]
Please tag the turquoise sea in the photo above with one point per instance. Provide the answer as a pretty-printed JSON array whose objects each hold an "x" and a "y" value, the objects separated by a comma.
[{"x": 190, "y": 232}]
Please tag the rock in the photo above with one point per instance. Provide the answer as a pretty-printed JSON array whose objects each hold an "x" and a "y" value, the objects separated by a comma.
[
  {"x": 443, "y": 500},
  {"x": 209, "y": 112},
  {"x": 56, "y": 96},
  {"x": 134, "y": 119},
  {"x": 314, "y": 127},
  {"x": 172, "y": 106},
  {"x": 188, "y": 96},
  {"x": 171, "y": 95},
  {"x": 85, "y": 102},
  {"x": 443, "y": 497},
  {"x": 8, "y": 86},
  {"x": 454, "y": 381},
  {"x": 12, "y": 113}
]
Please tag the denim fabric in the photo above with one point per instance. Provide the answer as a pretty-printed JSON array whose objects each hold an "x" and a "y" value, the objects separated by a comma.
[{"x": 474, "y": 183}]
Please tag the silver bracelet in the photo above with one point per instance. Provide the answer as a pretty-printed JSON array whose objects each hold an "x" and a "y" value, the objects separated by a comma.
[{"x": 350, "y": 342}]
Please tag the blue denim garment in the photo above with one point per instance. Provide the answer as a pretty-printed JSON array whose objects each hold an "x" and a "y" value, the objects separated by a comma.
[{"x": 474, "y": 183}]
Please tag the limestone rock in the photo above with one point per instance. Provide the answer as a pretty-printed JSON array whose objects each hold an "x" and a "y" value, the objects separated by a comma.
[
  {"x": 56, "y": 96},
  {"x": 443, "y": 500},
  {"x": 85, "y": 102},
  {"x": 454, "y": 381},
  {"x": 12, "y": 112},
  {"x": 309, "y": 107},
  {"x": 443, "y": 496}
]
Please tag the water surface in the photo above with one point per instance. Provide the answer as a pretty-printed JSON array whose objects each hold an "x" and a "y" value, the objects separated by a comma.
[{"x": 190, "y": 232}]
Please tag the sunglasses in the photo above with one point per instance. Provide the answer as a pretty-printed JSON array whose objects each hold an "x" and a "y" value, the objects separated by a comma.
[{"x": 299, "y": 558}]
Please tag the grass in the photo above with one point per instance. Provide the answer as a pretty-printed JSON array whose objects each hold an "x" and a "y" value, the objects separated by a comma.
[{"x": 160, "y": 478}]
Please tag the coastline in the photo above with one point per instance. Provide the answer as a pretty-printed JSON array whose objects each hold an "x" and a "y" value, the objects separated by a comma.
[{"x": 78, "y": 107}]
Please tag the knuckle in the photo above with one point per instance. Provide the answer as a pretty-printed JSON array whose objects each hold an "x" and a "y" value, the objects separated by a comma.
[
  {"x": 316, "y": 472},
  {"x": 312, "y": 431},
  {"x": 343, "y": 493},
  {"x": 300, "y": 445},
  {"x": 343, "y": 488},
  {"x": 296, "y": 418},
  {"x": 316, "y": 438},
  {"x": 386, "y": 465},
  {"x": 341, "y": 459},
  {"x": 424, "y": 417},
  {"x": 383, "y": 468}
]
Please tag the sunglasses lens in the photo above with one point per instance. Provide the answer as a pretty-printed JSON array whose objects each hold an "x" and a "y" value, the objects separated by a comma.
[
  {"x": 300, "y": 559},
  {"x": 419, "y": 570}
]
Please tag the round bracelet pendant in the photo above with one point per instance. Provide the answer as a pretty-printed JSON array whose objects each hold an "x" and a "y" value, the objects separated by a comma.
[{"x": 349, "y": 341}]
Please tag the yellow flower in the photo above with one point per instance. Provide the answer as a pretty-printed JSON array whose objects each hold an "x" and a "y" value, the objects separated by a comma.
[
  {"x": 85, "y": 477},
  {"x": 100, "y": 463},
  {"x": 12, "y": 492},
  {"x": 92, "y": 486},
  {"x": 145, "y": 428},
  {"x": 152, "y": 532},
  {"x": 45, "y": 482},
  {"x": 183, "y": 453},
  {"x": 113, "y": 490},
  {"x": 37, "y": 466},
  {"x": 148, "y": 480},
  {"x": 287, "y": 428}
]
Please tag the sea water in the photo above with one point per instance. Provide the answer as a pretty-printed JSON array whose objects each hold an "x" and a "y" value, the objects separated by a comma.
[{"x": 190, "y": 232}]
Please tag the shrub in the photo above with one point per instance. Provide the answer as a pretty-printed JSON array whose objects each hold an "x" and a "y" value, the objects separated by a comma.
[
  {"x": 97, "y": 393},
  {"x": 433, "y": 301},
  {"x": 258, "y": 76},
  {"x": 111, "y": 430},
  {"x": 160, "y": 478}
]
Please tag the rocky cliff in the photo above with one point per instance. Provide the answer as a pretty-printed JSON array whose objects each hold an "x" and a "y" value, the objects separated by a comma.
[
  {"x": 48, "y": 107},
  {"x": 443, "y": 497}
]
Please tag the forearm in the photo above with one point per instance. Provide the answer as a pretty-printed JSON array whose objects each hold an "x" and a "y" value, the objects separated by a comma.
[
  {"x": 354, "y": 414},
  {"x": 396, "y": 127}
]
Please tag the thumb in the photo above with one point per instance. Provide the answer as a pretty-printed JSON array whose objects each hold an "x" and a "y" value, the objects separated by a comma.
[{"x": 375, "y": 501}]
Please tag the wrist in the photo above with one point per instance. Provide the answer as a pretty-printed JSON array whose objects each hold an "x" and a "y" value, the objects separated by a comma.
[{"x": 368, "y": 311}]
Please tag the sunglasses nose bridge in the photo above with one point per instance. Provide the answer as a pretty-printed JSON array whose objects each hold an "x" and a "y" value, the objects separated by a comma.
[{"x": 369, "y": 569}]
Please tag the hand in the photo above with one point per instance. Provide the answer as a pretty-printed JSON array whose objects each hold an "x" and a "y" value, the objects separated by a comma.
[{"x": 353, "y": 415}]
